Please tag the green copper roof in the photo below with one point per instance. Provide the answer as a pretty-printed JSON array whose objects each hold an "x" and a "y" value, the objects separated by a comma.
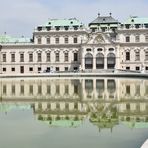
[
  {"x": 63, "y": 22},
  {"x": 136, "y": 20},
  {"x": 10, "y": 39}
]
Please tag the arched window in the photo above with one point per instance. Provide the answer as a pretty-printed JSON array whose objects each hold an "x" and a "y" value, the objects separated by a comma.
[
  {"x": 88, "y": 61},
  {"x": 111, "y": 61},
  {"x": 99, "y": 61}
]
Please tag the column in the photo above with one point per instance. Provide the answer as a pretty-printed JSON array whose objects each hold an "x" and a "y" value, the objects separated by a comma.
[
  {"x": 105, "y": 63},
  {"x": 94, "y": 63}
]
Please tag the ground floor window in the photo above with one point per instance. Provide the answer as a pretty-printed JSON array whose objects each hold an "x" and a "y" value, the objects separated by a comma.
[
  {"x": 30, "y": 68},
  {"x": 137, "y": 68},
  {"x": 57, "y": 69},
  {"x": 12, "y": 69},
  {"x": 146, "y": 68},
  {"x": 128, "y": 68},
  {"x": 4, "y": 69}
]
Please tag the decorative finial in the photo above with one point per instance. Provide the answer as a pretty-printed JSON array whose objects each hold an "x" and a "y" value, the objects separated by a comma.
[
  {"x": 110, "y": 14},
  {"x": 99, "y": 14}
]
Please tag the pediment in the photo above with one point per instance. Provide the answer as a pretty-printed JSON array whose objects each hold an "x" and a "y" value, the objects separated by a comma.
[{"x": 97, "y": 39}]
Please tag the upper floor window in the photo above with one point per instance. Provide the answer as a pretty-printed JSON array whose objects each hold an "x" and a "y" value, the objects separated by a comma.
[
  {"x": 48, "y": 40},
  {"x": 127, "y": 56},
  {"x": 48, "y": 57},
  {"x": 66, "y": 57},
  {"x": 75, "y": 56},
  {"x": 57, "y": 40},
  {"x": 146, "y": 38},
  {"x": 39, "y": 40},
  {"x": 127, "y": 38},
  {"x": 22, "y": 57},
  {"x": 39, "y": 56},
  {"x": 137, "y": 55},
  {"x": 57, "y": 58},
  {"x": 75, "y": 40},
  {"x": 146, "y": 55},
  {"x": 13, "y": 57},
  {"x": 31, "y": 57},
  {"x": 66, "y": 40},
  {"x": 4, "y": 57},
  {"x": 137, "y": 38}
]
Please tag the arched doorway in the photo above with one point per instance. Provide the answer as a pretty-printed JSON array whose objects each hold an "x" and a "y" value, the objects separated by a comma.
[
  {"x": 99, "y": 61},
  {"x": 88, "y": 61},
  {"x": 111, "y": 61}
]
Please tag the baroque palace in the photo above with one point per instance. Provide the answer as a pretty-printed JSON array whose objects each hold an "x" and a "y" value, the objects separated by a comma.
[{"x": 68, "y": 45}]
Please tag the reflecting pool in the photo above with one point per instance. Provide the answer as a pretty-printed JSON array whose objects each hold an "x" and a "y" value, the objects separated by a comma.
[{"x": 73, "y": 113}]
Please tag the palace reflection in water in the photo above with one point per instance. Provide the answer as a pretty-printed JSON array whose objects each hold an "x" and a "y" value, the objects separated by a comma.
[{"x": 105, "y": 102}]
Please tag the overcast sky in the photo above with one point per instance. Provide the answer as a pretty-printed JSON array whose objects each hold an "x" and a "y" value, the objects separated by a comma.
[{"x": 19, "y": 17}]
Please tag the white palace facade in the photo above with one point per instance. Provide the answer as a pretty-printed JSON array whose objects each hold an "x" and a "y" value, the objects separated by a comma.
[{"x": 67, "y": 45}]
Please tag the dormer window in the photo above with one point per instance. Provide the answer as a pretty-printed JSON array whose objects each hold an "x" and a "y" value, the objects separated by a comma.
[
  {"x": 75, "y": 27},
  {"x": 66, "y": 27},
  {"x": 39, "y": 28},
  {"x": 57, "y": 28},
  {"x": 49, "y": 23},
  {"x": 71, "y": 22}
]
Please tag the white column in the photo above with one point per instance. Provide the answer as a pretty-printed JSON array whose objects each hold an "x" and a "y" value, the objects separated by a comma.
[
  {"x": 94, "y": 63},
  {"x": 105, "y": 62}
]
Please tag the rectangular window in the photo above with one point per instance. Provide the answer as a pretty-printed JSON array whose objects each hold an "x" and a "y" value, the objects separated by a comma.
[
  {"x": 66, "y": 57},
  {"x": 4, "y": 89},
  {"x": 22, "y": 57},
  {"x": 22, "y": 90},
  {"x": 146, "y": 68},
  {"x": 4, "y": 69},
  {"x": 13, "y": 57},
  {"x": 13, "y": 89},
  {"x": 57, "y": 40},
  {"x": 127, "y": 68},
  {"x": 128, "y": 89},
  {"x": 127, "y": 56},
  {"x": 57, "y": 58},
  {"x": 39, "y": 57},
  {"x": 127, "y": 39},
  {"x": 31, "y": 57},
  {"x": 48, "y": 89},
  {"x": 39, "y": 69},
  {"x": 57, "y": 89},
  {"x": 66, "y": 89},
  {"x": 146, "y": 56},
  {"x": 66, "y": 68},
  {"x": 57, "y": 69},
  {"x": 39, "y": 40},
  {"x": 48, "y": 40},
  {"x": 137, "y": 56},
  {"x": 137, "y": 38},
  {"x": 75, "y": 40},
  {"x": 4, "y": 57},
  {"x": 146, "y": 38},
  {"x": 31, "y": 89},
  {"x": 75, "y": 57},
  {"x": 30, "y": 69},
  {"x": 39, "y": 89},
  {"x": 137, "y": 68},
  {"x": 75, "y": 89},
  {"x": 66, "y": 40},
  {"x": 12, "y": 69},
  {"x": 48, "y": 57}
]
